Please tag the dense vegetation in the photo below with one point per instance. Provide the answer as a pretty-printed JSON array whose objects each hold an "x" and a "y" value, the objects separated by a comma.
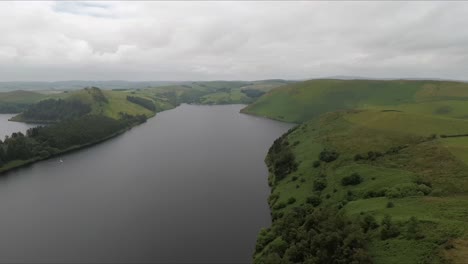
[
  {"x": 45, "y": 141},
  {"x": 52, "y": 110},
  {"x": 146, "y": 103},
  {"x": 395, "y": 169}
]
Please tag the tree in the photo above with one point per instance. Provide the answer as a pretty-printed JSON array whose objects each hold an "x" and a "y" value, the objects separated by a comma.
[
  {"x": 353, "y": 179},
  {"x": 314, "y": 200},
  {"x": 388, "y": 228}
]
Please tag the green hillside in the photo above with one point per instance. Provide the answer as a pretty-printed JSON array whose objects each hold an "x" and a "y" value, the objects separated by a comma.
[
  {"x": 405, "y": 168},
  {"x": 92, "y": 101},
  {"x": 301, "y": 101},
  {"x": 17, "y": 101},
  {"x": 390, "y": 158}
]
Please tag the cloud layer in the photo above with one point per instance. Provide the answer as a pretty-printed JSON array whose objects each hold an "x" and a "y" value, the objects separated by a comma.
[{"x": 231, "y": 40}]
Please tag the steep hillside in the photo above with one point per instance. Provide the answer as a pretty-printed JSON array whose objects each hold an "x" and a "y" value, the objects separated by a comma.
[
  {"x": 401, "y": 178},
  {"x": 301, "y": 101}
]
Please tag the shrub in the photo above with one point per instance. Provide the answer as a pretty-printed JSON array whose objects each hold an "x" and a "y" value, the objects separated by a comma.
[
  {"x": 353, "y": 179},
  {"x": 328, "y": 156},
  {"x": 369, "y": 223},
  {"x": 389, "y": 229},
  {"x": 314, "y": 200},
  {"x": 408, "y": 189},
  {"x": 316, "y": 164},
  {"x": 291, "y": 200},
  {"x": 390, "y": 204},
  {"x": 279, "y": 206},
  {"x": 358, "y": 157},
  {"x": 319, "y": 184},
  {"x": 412, "y": 229},
  {"x": 294, "y": 178}
]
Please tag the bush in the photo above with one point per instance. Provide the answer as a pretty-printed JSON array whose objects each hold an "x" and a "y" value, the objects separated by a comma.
[
  {"x": 316, "y": 164},
  {"x": 389, "y": 229},
  {"x": 369, "y": 223},
  {"x": 328, "y": 156},
  {"x": 314, "y": 200},
  {"x": 291, "y": 200},
  {"x": 353, "y": 179},
  {"x": 408, "y": 189},
  {"x": 358, "y": 157},
  {"x": 390, "y": 205},
  {"x": 412, "y": 229},
  {"x": 320, "y": 184},
  {"x": 294, "y": 178},
  {"x": 279, "y": 206}
]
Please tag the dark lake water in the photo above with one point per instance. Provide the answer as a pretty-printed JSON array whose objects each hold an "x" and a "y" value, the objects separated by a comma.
[
  {"x": 7, "y": 127},
  {"x": 190, "y": 185}
]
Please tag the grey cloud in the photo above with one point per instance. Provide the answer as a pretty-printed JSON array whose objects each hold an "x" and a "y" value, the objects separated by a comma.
[{"x": 231, "y": 40}]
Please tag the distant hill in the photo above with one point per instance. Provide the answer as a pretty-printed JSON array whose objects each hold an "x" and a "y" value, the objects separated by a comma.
[
  {"x": 118, "y": 84},
  {"x": 301, "y": 101},
  {"x": 72, "y": 85}
]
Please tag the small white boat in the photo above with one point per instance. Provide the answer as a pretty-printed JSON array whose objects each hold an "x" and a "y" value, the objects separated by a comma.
[{"x": 61, "y": 161}]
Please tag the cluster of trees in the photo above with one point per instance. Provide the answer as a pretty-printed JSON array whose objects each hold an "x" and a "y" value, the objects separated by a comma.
[
  {"x": 52, "y": 110},
  {"x": 281, "y": 160},
  {"x": 97, "y": 95},
  {"x": 373, "y": 155},
  {"x": 44, "y": 141},
  {"x": 146, "y": 103},
  {"x": 312, "y": 235},
  {"x": 252, "y": 93},
  {"x": 7, "y": 108}
]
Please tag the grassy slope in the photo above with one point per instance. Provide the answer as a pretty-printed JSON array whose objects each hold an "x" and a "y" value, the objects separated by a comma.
[
  {"x": 21, "y": 97},
  {"x": 419, "y": 109},
  {"x": 117, "y": 102},
  {"x": 443, "y": 213},
  {"x": 301, "y": 101}
]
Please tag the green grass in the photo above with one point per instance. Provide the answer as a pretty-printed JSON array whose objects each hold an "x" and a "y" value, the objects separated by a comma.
[
  {"x": 422, "y": 125},
  {"x": 457, "y": 146}
]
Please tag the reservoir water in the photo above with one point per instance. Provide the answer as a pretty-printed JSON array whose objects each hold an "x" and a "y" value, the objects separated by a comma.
[
  {"x": 190, "y": 185},
  {"x": 7, "y": 127}
]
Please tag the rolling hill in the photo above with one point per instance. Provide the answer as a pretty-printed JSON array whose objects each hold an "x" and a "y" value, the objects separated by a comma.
[{"x": 302, "y": 101}]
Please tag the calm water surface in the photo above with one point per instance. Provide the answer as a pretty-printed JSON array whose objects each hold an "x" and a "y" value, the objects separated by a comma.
[
  {"x": 7, "y": 127},
  {"x": 189, "y": 185}
]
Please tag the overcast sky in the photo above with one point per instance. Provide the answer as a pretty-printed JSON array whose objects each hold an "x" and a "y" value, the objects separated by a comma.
[{"x": 48, "y": 41}]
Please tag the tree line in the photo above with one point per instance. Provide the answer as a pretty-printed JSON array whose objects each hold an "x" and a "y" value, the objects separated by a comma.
[{"x": 44, "y": 141}]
